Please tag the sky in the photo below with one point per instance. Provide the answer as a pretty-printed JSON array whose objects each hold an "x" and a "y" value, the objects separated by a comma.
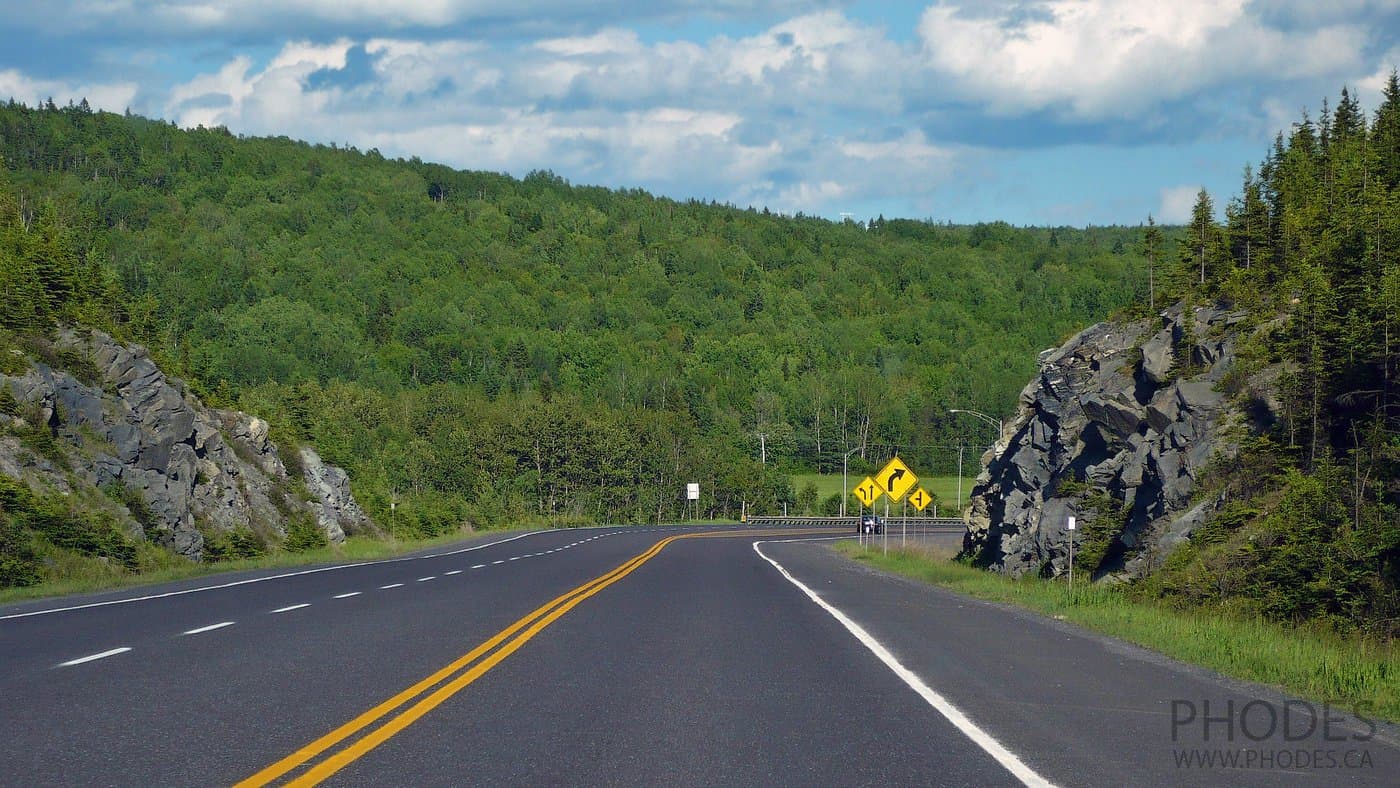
[{"x": 1035, "y": 112}]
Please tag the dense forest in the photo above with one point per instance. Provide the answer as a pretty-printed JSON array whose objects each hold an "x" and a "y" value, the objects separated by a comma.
[
  {"x": 483, "y": 349},
  {"x": 1311, "y": 248}
]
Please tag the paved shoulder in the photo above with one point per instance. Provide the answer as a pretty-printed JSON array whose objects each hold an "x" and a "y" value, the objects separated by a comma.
[{"x": 1082, "y": 709}]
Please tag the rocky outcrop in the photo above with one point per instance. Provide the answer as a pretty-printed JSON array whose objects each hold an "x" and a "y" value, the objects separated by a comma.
[
  {"x": 1116, "y": 430},
  {"x": 119, "y": 420}
]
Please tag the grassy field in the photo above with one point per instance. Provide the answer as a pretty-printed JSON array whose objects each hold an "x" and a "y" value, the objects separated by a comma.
[
  {"x": 945, "y": 487},
  {"x": 1318, "y": 665}
]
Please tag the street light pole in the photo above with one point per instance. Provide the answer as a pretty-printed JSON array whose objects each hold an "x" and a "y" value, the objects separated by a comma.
[
  {"x": 844, "y": 493},
  {"x": 984, "y": 417}
]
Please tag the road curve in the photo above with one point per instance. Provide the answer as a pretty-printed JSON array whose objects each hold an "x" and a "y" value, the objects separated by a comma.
[{"x": 618, "y": 656}]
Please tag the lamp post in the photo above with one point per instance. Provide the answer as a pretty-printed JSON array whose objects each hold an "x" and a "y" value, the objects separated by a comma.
[
  {"x": 984, "y": 417},
  {"x": 844, "y": 493}
]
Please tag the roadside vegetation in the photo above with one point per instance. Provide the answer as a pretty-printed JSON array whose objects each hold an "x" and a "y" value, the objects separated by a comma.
[
  {"x": 1312, "y": 661},
  {"x": 70, "y": 573}
]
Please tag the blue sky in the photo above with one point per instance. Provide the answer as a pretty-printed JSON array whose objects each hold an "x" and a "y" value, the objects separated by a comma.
[{"x": 1061, "y": 112}]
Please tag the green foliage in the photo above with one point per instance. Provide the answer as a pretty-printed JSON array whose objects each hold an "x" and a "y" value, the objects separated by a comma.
[
  {"x": 8, "y": 405},
  {"x": 486, "y": 349},
  {"x": 807, "y": 499},
  {"x": 232, "y": 545},
  {"x": 40, "y": 440},
  {"x": 19, "y": 564},
  {"x": 304, "y": 533},
  {"x": 55, "y": 520}
]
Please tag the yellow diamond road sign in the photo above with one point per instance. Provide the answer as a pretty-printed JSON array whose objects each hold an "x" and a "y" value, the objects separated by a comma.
[
  {"x": 868, "y": 491},
  {"x": 920, "y": 499},
  {"x": 896, "y": 479}
]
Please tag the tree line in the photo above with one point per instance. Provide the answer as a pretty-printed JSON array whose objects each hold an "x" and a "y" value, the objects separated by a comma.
[
  {"x": 1310, "y": 246},
  {"x": 479, "y": 348}
]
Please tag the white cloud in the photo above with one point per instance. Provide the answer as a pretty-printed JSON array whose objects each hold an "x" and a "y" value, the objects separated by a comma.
[
  {"x": 112, "y": 96},
  {"x": 1175, "y": 204},
  {"x": 1097, "y": 59}
]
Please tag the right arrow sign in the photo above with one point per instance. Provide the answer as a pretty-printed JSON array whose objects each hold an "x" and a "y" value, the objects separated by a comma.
[{"x": 896, "y": 479}]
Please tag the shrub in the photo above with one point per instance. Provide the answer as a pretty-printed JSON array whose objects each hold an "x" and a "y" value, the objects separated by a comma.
[
  {"x": 19, "y": 566},
  {"x": 304, "y": 533},
  {"x": 239, "y": 543}
]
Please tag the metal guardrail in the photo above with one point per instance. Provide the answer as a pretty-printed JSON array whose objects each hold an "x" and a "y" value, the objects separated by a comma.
[{"x": 852, "y": 522}]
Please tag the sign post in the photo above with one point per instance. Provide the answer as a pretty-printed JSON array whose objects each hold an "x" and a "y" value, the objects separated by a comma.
[
  {"x": 896, "y": 480},
  {"x": 1070, "y": 527},
  {"x": 692, "y": 493}
]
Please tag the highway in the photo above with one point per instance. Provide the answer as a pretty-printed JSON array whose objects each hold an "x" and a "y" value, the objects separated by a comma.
[{"x": 620, "y": 656}]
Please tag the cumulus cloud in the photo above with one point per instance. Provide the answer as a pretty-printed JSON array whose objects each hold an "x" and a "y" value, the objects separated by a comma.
[
  {"x": 111, "y": 96},
  {"x": 1175, "y": 203},
  {"x": 361, "y": 18},
  {"x": 1096, "y": 59},
  {"x": 819, "y": 112}
]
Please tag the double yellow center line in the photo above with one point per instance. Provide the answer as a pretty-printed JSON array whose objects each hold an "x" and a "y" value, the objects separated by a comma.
[{"x": 454, "y": 677}]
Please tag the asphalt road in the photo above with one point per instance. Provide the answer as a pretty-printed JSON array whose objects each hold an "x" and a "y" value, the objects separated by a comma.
[{"x": 620, "y": 657}]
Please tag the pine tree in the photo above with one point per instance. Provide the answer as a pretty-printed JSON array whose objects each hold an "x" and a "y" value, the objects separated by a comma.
[
  {"x": 1152, "y": 250},
  {"x": 1248, "y": 224},
  {"x": 1202, "y": 247},
  {"x": 1385, "y": 132}
]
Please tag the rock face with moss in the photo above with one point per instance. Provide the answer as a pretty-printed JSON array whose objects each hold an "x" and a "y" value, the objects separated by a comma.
[
  {"x": 105, "y": 424},
  {"x": 1116, "y": 430}
]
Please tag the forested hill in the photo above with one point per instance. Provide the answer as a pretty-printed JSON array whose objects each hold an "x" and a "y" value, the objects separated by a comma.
[{"x": 481, "y": 348}]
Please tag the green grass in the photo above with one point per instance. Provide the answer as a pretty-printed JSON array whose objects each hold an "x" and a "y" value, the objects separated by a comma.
[
  {"x": 86, "y": 575},
  {"x": 945, "y": 487},
  {"x": 1319, "y": 665}
]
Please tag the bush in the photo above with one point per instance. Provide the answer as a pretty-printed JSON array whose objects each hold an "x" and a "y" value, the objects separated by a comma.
[
  {"x": 304, "y": 533},
  {"x": 19, "y": 566},
  {"x": 240, "y": 543},
  {"x": 92, "y": 534}
]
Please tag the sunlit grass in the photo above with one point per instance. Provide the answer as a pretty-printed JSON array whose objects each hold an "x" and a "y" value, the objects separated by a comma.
[{"x": 1315, "y": 664}]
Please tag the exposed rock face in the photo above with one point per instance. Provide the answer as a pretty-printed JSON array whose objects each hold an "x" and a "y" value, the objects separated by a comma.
[
  {"x": 194, "y": 467},
  {"x": 1111, "y": 433}
]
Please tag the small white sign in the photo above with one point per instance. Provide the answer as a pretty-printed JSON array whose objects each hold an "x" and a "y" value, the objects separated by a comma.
[
  {"x": 692, "y": 491},
  {"x": 1071, "y": 524}
]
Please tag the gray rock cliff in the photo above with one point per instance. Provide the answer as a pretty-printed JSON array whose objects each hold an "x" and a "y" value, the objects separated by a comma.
[
  {"x": 1116, "y": 430},
  {"x": 119, "y": 420}
]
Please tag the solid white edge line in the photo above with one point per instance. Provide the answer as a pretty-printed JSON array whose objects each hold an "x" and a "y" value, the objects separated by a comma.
[
  {"x": 92, "y": 657},
  {"x": 290, "y": 608},
  {"x": 210, "y": 628},
  {"x": 249, "y": 581},
  {"x": 940, "y": 704},
  {"x": 346, "y": 595}
]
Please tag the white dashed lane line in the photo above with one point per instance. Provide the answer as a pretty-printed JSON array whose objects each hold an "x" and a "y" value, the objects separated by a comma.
[
  {"x": 493, "y": 563},
  {"x": 346, "y": 595},
  {"x": 391, "y": 585},
  {"x": 479, "y": 566},
  {"x": 290, "y": 608},
  {"x": 453, "y": 572},
  {"x": 426, "y": 579},
  {"x": 94, "y": 657},
  {"x": 210, "y": 628}
]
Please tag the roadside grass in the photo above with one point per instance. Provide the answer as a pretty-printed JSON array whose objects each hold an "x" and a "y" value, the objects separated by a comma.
[
  {"x": 88, "y": 576},
  {"x": 1353, "y": 673},
  {"x": 945, "y": 487}
]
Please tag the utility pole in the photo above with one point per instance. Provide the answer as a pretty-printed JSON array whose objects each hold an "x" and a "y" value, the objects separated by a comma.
[{"x": 844, "y": 489}]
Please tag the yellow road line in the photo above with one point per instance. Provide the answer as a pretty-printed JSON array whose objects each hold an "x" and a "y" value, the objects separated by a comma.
[{"x": 532, "y": 623}]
